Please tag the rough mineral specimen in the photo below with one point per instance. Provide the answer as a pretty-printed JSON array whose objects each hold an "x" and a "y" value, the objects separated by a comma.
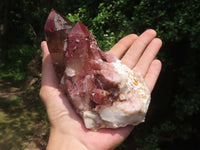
[
  {"x": 57, "y": 29},
  {"x": 104, "y": 92}
]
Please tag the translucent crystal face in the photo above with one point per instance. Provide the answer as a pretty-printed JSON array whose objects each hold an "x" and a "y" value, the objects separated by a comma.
[
  {"x": 103, "y": 91},
  {"x": 56, "y": 22}
]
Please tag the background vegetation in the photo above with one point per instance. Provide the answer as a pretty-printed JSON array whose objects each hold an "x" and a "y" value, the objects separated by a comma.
[{"x": 173, "y": 118}]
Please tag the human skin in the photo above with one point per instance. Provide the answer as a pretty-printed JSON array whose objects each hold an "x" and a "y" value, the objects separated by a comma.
[{"x": 67, "y": 131}]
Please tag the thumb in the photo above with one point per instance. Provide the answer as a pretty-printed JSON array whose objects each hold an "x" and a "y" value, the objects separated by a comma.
[{"x": 48, "y": 73}]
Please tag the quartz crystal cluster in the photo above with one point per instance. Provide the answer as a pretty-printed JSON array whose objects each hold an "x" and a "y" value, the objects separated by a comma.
[{"x": 104, "y": 92}]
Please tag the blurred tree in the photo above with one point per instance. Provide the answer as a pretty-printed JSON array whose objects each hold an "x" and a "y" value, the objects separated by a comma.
[{"x": 6, "y": 7}]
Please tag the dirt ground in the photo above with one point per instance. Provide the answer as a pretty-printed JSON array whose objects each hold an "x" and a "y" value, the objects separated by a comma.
[{"x": 23, "y": 121}]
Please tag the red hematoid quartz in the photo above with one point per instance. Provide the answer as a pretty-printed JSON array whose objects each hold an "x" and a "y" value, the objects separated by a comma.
[{"x": 103, "y": 91}]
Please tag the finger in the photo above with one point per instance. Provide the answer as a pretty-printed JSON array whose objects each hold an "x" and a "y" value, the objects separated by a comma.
[
  {"x": 50, "y": 93},
  {"x": 152, "y": 74},
  {"x": 137, "y": 48},
  {"x": 45, "y": 49},
  {"x": 123, "y": 45},
  {"x": 148, "y": 56},
  {"x": 48, "y": 74}
]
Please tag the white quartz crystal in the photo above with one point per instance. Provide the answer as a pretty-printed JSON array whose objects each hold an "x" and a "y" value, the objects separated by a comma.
[{"x": 130, "y": 109}]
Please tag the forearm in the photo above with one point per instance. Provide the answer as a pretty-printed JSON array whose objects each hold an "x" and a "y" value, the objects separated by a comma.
[{"x": 60, "y": 141}]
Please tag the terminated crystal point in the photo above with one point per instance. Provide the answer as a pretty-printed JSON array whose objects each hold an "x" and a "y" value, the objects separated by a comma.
[
  {"x": 57, "y": 29},
  {"x": 104, "y": 92}
]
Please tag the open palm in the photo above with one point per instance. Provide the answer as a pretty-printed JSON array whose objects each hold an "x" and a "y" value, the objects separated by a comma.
[{"x": 67, "y": 128}]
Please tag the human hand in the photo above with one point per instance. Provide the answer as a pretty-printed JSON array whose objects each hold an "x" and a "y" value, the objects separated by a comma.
[{"x": 67, "y": 130}]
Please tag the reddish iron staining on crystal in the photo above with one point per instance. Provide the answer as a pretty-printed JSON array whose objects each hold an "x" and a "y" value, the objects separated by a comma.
[
  {"x": 100, "y": 96},
  {"x": 92, "y": 79},
  {"x": 57, "y": 29}
]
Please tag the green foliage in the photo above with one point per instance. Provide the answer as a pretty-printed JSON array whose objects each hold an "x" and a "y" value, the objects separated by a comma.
[
  {"x": 16, "y": 100},
  {"x": 19, "y": 57}
]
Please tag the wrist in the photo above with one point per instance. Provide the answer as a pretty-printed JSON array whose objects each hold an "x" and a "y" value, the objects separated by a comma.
[{"x": 61, "y": 141}]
